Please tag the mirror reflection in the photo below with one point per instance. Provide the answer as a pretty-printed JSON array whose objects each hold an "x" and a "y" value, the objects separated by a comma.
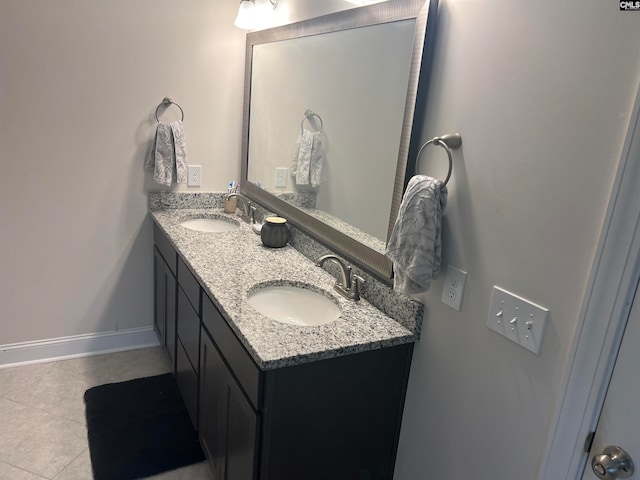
[
  {"x": 328, "y": 118},
  {"x": 339, "y": 163}
]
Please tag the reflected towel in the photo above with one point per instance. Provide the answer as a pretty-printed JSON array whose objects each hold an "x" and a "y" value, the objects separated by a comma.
[
  {"x": 415, "y": 244},
  {"x": 307, "y": 163},
  {"x": 169, "y": 152}
]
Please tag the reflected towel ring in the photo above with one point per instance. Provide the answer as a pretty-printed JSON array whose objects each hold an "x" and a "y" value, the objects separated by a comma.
[
  {"x": 310, "y": 113},
  {"x": 166, "y": 102},
  {"x": 448, "y": 142}
]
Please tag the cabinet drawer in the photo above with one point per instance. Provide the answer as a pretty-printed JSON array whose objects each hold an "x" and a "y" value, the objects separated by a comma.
[
  {"x": 166, "y": 249},
  {"x": 189, "y": 284},
  {"x": 188, "y": 328},
  {"x": 187, "y": 383},
  {"x": 237, "y": 358}
]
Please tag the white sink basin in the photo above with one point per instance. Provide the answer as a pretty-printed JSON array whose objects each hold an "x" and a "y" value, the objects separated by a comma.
[
  {"x": 294, "y": 305},
  {"x": 214, "y": 225}
]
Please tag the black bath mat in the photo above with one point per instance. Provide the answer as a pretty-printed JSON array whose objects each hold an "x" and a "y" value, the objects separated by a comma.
[{"x": 139, "y": 428}]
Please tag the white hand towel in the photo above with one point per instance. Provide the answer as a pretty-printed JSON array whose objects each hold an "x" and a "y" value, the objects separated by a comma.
[
  {"x": 180, "y": 151},
  {"x": 307, "y": 163},
  {"x": 415, "y": 244},
  {"x": 169, "y": 152}
]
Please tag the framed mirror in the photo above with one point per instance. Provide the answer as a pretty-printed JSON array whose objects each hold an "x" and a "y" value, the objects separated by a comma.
[{"x": 328, "y": 117}]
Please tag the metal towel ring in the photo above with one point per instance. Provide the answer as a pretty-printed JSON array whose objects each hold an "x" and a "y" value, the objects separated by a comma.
[
  {"x": 310, "y": 113},
  {"x": 166, "y": 102},
  {"x": 448, "y": 142}
]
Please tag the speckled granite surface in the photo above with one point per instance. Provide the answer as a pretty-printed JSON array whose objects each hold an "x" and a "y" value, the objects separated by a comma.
[
  {"x": 230, "y": 264},
  {"x": 402, "y": 308}
]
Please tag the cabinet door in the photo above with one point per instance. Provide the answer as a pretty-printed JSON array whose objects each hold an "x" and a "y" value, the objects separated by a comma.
[
  {"x": 188, "y": 328},
  {"x": 164, "y": 293},
  {"x": 213, "y": 405},
  {"x": 187, "y": 381},
  {"x": 170, "y": 313},
  {"x": 159, "y": 294},
  {"x": 242, "y": 435},
  {"x": 228, "y": 425}
]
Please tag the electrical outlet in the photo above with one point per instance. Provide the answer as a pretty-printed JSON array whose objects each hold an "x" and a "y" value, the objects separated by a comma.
[
  {"x": 453, "y": 288},
  {"x": 281, "y": 177},
  {"x": 194, "y": 175},
  {"x": 518, "y": 319}
]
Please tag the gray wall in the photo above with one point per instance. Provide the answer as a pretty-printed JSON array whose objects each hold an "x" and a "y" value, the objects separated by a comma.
[
  {"x": 79, "y": 85},
  {"x": 541, "y": 92}
]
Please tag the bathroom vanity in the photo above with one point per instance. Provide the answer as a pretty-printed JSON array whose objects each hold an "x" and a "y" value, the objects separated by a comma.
[{"x": 273, "y": 401}]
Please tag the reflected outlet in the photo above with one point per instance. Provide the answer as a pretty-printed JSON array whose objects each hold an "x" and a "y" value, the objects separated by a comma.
[{"x": 281, "y": 177}]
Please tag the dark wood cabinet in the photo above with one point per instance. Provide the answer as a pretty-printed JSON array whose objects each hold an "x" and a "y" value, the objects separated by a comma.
[
  {"x": 332, "y": 419},
  {"x": 188, "y": 340},
  {"x": 159, "y": 296},
  {"x": 228, "y": 424},
  {"x": 335, "y": 419},
  {"x": 170, "y": 314},
  {"x": 187, "y": 380},
  {"x": 164, "y": 292},
  {"x": 177, "y": 317}
]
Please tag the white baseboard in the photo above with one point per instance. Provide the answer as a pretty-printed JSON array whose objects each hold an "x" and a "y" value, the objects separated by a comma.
[{"x": 54, "y": 349}]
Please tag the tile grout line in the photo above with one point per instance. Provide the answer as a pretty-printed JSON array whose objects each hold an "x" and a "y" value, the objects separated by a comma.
[
  {"x": 25, "y": 470},
  {"x": 67, "y": 465},
  {"x": 43, "y": 411}
]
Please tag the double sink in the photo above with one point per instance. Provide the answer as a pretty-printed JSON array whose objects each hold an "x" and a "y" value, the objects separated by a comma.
[{"x": 287, "y": 302}]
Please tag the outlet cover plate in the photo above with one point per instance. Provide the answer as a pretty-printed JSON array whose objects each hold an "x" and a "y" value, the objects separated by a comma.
[
  {"x": 194, "y": 175},
  {"x": 281, "y": 177},
  {"x": 518, "y": 319},
  {"x": 453, "y": 288}
]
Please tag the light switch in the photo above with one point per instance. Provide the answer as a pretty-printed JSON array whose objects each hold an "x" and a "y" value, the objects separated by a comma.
[{"x": 518, "y": 319}]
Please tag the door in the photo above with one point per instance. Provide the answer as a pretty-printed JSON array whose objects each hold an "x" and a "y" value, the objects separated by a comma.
[{"x": 619, "y": 423}]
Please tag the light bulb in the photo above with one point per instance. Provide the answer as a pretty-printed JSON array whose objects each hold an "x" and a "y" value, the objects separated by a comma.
[{"x": 245, "y": 18}]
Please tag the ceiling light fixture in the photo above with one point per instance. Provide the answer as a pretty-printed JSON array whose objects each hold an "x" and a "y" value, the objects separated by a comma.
[
  {"x": 361, "y": 3},
  {"x": 249, "y": 16}
]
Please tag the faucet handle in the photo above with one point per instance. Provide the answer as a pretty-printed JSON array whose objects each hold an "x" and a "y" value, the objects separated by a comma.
[
  {"x": 354, "y": 288},
  {"x": 347, "y": 277}
]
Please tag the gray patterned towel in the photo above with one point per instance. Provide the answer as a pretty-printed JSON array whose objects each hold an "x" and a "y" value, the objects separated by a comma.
[
  {"x": 307, "y": 163},
  {"x": 415, "y": 244},
  {"x": 169, "y": 152}
]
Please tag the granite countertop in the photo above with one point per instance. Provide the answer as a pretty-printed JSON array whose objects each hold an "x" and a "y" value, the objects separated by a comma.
[{"x": 230, "y": 264}]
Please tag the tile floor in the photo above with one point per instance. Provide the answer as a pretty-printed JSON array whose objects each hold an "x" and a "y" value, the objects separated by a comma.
[{"x": 42, "y": 425}]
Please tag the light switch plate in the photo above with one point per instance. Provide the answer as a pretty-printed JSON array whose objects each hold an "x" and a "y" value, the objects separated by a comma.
[{"x": 518, "y": 319}]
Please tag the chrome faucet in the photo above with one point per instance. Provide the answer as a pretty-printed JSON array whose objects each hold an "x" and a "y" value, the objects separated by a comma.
[
  {"x": 348, "y": 283},
  {"x": 245, "y": 208}
]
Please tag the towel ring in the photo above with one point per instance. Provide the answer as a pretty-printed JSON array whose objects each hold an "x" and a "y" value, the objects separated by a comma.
[
  {"x": 166, "y": 102},
  {"x": 310, "y": 113},
  {"x": 448, "y": 142}
]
